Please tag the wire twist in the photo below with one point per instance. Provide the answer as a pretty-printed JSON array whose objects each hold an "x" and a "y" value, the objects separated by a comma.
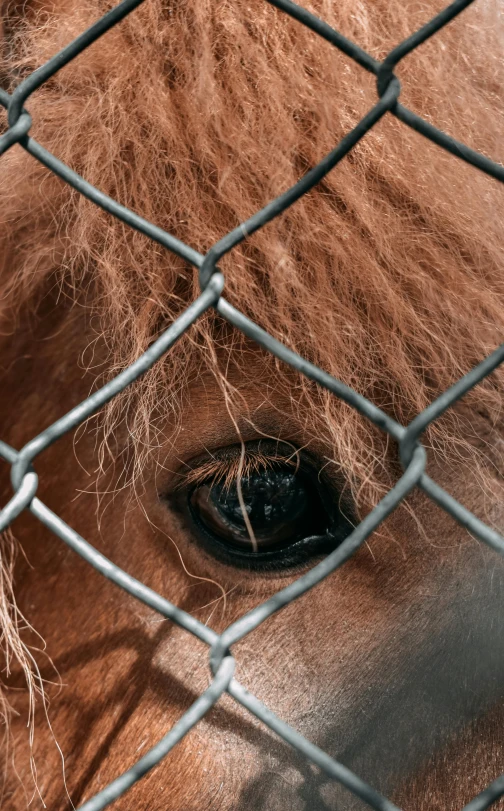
[{"x": 412, "y": 453}]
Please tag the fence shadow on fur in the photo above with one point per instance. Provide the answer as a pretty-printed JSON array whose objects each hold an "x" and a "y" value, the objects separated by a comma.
[{"x": 412, "y": 453}]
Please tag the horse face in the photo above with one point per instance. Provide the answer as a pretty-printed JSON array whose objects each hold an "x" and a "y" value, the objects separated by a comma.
[{"x": 393, "y": 664}]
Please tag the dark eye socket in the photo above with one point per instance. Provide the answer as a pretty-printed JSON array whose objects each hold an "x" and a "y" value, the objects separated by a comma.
[
  {"x": 280, "y": 504},
  {"x": 294, "y": 514}
]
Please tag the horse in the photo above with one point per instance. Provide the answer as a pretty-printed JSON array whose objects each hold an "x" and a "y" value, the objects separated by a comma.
[{"x": 214, "y": 476}]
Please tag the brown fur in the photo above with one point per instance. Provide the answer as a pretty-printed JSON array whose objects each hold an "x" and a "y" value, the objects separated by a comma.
[{"x": 388, "y": 275}]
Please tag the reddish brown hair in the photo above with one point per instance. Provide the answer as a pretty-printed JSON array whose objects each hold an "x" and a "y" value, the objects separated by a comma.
[{"x": 388, "y": 274}]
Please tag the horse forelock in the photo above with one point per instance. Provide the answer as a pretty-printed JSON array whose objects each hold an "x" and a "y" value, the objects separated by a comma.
[{"x": 387, "y": 275}]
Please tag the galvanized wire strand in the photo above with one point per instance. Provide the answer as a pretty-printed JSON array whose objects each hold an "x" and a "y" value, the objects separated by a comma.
[
  {"x": 412, "y": 453},
  {"x": 15, "y": 133},
  {"x": 411, "y": 43},
  {"x": 102, "y": 200},
  {"x": 190, "y": 718},
  {"x": 487, "y": 797},
  {"x": 99, "y": 398},
  {"x": 310, "y": 179},
  {"x": 250, "y": 621},
  {"x": 118, "y": 576},
  {"x": 21, "y": 499},
  {"x": 448, "y": 143},
  {"x": 335, "y": 770},
  {"x": 445, "y": 400},
  {"x": 187, "y": 622},
  {"x": 404, "y": 114},
  {"x": 309, "y": 370},
  {"x": 462, "y": 515},
  {"x": 63, "y": 57}
]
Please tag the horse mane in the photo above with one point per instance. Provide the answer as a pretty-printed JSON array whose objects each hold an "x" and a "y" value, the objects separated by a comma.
[{"x": 389, "y": 274}]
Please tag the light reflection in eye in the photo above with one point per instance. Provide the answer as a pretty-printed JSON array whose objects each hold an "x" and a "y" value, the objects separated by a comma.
[
  {"x": 296, "y": 511},
  {"x": 282, "y": 506}
]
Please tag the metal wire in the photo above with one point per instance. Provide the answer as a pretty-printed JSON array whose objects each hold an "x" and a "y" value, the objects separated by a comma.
[{"x": 412, "y": 453}]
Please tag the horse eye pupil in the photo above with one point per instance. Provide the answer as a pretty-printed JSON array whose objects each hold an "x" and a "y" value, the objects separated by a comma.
[
  {"x": 269, "y": 497},
  {"x": 282, "y": 507}
]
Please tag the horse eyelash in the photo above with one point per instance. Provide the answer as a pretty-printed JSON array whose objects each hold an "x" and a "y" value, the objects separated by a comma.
[{"x": 226, "y": 470}]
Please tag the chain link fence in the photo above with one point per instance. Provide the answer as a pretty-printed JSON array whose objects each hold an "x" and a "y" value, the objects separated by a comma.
[{"x": 412, "y": 453}]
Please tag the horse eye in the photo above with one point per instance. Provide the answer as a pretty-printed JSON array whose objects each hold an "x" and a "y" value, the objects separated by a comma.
[{"x": 292, "y": 516}]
